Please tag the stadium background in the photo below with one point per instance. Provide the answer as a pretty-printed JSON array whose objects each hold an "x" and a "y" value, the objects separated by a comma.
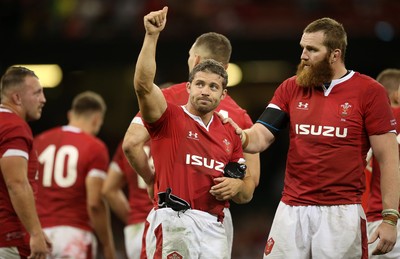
[{"x": 96, "y": 43}]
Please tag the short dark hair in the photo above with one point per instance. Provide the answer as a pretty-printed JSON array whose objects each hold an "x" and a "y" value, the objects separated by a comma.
[
  {"x": 88, "y": 102},
  {"x": 14, "y": 77},
  {"x": 335, "y": 35},
  {"x": 211, "y": 66},
  {"x": 217, "y": 46}
]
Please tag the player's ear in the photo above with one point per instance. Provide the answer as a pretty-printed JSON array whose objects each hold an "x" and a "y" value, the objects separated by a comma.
[
  {"x": 197, "y": 60},
  {"x": 224, "y": 93},
  {"x": 188, "y": 87},
  {"x": 335, "y": 55},
  {"x": 395, "y": 97},
  {"x": 97, "y": 122},
  {"x": 69, "y": 115},
  {"x": 16, "y": 98}
]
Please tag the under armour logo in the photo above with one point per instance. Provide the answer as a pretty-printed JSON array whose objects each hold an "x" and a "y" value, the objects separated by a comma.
[
  {"x": 193, "y": 135},
  {"x": 302, "y": 106}
]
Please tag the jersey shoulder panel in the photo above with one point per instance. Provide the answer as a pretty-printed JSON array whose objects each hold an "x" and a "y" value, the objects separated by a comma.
[{"x": 176, "y": 94}]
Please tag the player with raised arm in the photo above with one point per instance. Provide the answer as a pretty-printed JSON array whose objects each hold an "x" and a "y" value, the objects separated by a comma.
[
  {"x": 190, "y": 147},
  {"x": 208, "y": 45}
]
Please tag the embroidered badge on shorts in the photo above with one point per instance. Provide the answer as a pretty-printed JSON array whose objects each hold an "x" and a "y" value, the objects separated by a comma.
[
  {"x": 174, "y": 255},
  {"x": 269, "y": 246}
]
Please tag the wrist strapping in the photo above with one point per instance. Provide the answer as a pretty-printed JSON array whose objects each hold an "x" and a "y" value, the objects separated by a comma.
[{"x": 390, "y": 216}]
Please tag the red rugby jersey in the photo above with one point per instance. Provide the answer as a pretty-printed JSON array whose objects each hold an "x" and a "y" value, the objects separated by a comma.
[
  {"x": 67, "y": 156},
  {"x": 188, "y": 156},
  {"x": 15, "y": 140},
  {"x": 329, "y": 132}
]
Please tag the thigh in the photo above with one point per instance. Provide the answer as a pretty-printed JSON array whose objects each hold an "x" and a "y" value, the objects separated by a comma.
[
  {"x": 71, "y": 242},
  {"x": 14, "y": 252},
  {"x": 211, "y": 234},
  {"x": 168, "y": 236},
  {"x": 190, "y": 234},
  {"x": 341, "y": 232},
  {"x": 289, "y": 233},
  {"x": 133, "y": 240},
  {"x": 228, "y": 224}
]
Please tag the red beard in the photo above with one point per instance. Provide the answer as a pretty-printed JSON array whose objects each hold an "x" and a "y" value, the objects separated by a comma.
[{"x": 314, "y": 75}]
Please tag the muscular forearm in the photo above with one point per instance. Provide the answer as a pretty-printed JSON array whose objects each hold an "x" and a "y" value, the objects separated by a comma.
[
  {"x": 385, "y": 149},
  {"x": 253, "y": 166},
  {"x": 146, "y": 65},
  {"x": 23, "y": 202},
  {"x": 246, "y": 193},
  {"x": 119, "y": 204},
  {"x": 133, "y": 145},
  {"x": 250, "y": 182},
  {"x": 154, "y": 23},
  {"x": 100, "y": 219},
  {"x": 151, "y": 101},
  {"x": 226, "y": 188},
  {"x": 139, "y": 160},
  {"x": 389, "y": 185},
  {"x": 257, "y": 139}
]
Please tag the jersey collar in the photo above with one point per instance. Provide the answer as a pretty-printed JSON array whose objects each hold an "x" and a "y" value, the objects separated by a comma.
[
  {"x": 198, "y": 119},
  {"x": 335, "y": 82}
]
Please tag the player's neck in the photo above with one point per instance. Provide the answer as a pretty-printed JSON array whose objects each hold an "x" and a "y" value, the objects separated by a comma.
[
  {"x": 14, "y": 109},
  {"x": 340, "y": 72},
  {"x": 82, "y": 125}
]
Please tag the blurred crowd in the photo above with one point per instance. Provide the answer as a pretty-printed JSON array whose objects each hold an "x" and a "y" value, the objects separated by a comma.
[{"x": 106, "y": 20}]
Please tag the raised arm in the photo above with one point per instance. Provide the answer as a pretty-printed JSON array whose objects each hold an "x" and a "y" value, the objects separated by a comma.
[{"x": 152, "y": 103}]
